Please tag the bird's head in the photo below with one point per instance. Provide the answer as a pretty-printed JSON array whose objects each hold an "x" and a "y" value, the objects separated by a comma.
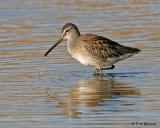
[{"x": 69, "y": 32}]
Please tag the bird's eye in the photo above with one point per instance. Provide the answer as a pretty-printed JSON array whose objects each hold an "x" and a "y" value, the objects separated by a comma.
[{"x": 67, "y": 30}]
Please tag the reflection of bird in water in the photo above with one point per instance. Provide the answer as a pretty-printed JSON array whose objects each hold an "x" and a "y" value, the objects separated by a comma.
[{"x": 89, "y": 93}]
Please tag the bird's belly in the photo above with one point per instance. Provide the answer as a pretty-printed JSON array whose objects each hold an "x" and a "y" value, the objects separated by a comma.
[{"x": 83, "y": 59}]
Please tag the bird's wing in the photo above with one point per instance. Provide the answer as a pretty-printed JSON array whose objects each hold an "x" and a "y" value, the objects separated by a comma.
[{"x": 104, "y": 48}]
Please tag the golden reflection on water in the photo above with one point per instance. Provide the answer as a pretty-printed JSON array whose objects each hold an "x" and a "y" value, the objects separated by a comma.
[
  {"x": 29, "y": 27},
  {"x": 90, "y": 93}
]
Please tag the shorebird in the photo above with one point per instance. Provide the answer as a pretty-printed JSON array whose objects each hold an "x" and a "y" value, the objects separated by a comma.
[{"x": 93, "y": 50}]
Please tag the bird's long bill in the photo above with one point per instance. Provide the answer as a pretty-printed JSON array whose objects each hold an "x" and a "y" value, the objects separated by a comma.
[{"x": 59, "y": 41}]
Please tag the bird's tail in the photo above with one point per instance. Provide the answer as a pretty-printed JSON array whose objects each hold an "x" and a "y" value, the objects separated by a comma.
[
  {"x": 135, "y": 50},
  {"x": 126, "y": 52}
]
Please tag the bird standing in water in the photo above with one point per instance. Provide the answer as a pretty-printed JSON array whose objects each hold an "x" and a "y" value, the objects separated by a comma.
[{"x": 93, "y": 50}]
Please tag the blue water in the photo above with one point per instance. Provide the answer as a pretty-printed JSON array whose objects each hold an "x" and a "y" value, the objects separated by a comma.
[{"x": 57, "y": 91}]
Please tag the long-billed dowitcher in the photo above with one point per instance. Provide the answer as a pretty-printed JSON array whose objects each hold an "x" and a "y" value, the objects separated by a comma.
[{"x": 93, "y": 50}]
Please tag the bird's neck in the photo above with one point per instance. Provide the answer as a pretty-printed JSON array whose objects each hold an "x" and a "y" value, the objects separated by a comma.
[
  {"x": 72, "y": 39},
  {"x": 74, "y": 36},
  {"x": 72, "y": 44}
]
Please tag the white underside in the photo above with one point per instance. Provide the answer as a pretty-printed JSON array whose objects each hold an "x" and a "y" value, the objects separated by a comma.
[
  {"x": 90, "y": 62},
  {"x": 85, "y": 60},
  {"x": 82, "y": 58}
]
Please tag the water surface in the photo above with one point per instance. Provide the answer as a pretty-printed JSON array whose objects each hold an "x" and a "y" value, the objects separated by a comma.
[{"x": 58, "y": 92}]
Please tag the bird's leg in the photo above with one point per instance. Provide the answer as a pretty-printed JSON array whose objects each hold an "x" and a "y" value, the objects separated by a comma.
[
  {"x": 98, "y": 71},
  {"x": 104, "y": 68},
  {"x": 95, "y": 72}
]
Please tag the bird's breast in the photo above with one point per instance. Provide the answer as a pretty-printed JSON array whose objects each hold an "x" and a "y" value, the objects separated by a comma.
[
  {"x": 81, "y": 57},
  {"x": 79, "y": 53}
]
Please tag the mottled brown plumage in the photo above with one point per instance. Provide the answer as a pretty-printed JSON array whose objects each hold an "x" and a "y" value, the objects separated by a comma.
[
  {"x": 106, "y": 49},
  {"x": 93, "y": 50}
]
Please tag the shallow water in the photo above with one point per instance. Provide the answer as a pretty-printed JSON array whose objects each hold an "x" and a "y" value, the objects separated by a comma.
[{"x": 58, "y": 92}]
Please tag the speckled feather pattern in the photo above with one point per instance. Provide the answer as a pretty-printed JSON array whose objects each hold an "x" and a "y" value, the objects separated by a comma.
[
  {"x": 93, "y": 50},
  {"x": 105, "y": 49}
]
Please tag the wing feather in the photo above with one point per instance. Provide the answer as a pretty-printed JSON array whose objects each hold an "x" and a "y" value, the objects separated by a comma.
[{"x": 106, "y": 49}]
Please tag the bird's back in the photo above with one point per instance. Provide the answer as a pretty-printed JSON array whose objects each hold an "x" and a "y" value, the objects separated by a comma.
[{"x": 105, "y": 50}]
